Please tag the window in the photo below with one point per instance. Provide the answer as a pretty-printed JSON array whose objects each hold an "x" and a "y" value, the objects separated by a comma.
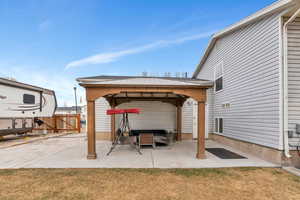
[
  {"x": 28, "y": 99},
  {"x": 216, "y": 125},
  {"x": 219, "y": 77},
  {"x": 219, "y": 84},
  {"x": 219, "y": 125}
]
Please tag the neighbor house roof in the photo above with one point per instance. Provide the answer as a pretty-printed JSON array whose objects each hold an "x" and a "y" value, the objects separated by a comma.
[
  {"x": 278, "y": 5},
  {"x": 142, "y": 80},
  {"x": 65, "y": 108},
  {"x": 12, "y": 83}
]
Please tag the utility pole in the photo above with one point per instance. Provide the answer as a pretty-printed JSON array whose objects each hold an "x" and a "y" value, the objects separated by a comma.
[{"x": 75, "y": 94}]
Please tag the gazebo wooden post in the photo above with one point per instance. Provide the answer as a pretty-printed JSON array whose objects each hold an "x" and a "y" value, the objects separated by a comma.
[
  {"x": 91, "y": 130},
  {"x": 201, "y": 131},
  {"x": 113, "y": 123},
  {"x": 179, "y": 122}
]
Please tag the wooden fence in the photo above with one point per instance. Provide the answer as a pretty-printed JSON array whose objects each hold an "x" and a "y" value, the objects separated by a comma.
[{"x": 60, "y": 123}]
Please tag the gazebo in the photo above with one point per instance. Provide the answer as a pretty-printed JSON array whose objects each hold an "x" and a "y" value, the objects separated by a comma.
[{"x": 121, "y": 89}]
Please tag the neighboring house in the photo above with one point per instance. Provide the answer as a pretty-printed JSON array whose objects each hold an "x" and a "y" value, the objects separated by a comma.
[
  {"x": 255, "y": 63},
  {"x": 68, "y": 110},
  {"x": 72, "y": 110},
  {"x": 84, "y": 113}
]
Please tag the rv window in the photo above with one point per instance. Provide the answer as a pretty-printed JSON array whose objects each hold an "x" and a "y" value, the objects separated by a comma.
[{"x": 28, "y": 99}]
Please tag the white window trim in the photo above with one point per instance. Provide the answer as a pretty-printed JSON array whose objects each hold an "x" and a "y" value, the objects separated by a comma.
[
  {"x": 222, "y": 125},
  {"x": 216, "y": 128},
  {"x": 218, "y": 125},
  {"x": 215, "y": 77}
]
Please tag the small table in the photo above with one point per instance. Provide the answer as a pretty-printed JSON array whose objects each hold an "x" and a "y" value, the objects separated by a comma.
[{"x": 146, "y": 139}]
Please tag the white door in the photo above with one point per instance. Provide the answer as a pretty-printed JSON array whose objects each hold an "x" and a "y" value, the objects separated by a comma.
[{"x": 195, "y": 120}]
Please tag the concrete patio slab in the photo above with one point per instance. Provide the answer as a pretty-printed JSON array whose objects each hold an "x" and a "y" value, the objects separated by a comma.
[
  {"x": 70, "y": 152},
  {"x": 292, "y": 170}
]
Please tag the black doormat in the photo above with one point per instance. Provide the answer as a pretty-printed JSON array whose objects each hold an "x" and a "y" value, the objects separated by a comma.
[{"x": 224, "y": 153}]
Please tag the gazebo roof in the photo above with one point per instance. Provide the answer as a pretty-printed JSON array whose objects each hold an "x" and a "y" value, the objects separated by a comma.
[
  {"x": 143, "y": 81},
  {"x": 120, "y": 89}
]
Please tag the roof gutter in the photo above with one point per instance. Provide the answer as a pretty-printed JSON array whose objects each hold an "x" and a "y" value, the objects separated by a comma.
[
  {"x": 93, "y": 85},
  {"x": 285, "y": 84}
]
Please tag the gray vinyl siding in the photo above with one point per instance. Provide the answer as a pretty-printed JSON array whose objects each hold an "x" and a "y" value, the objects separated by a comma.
[
  {"x": 154, "y": 115},
  {"x": 294, "y": 77},
  {"x": 210, "y": 102},
  {"x": 251, "y": 82},
  {"x": 187, "y": 116},
  {"x": 102, "y": 120}
]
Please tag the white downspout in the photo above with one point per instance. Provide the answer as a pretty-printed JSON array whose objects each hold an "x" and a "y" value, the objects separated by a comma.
[{"x": 285, "y": 84}]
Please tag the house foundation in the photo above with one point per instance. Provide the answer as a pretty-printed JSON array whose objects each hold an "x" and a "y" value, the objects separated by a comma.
[{"x": 266, "y": 153}]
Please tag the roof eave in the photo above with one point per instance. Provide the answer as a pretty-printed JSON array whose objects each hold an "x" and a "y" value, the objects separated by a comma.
[
  {"x": 208, "y": 84},
  {"x": 26, "y": 86},
  {"x": 284, "y": 4},
  {"x": 211, "y": 44}
]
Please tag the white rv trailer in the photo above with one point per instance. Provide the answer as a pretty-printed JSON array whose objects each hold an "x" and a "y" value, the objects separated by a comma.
[{"x": 20, "y": 103}]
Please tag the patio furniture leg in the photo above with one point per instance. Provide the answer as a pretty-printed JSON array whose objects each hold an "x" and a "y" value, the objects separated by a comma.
[
  {"x": 139, "y": 138},
  {"x": 114, "y": 144},
  {"x": 135, "y": 146}
]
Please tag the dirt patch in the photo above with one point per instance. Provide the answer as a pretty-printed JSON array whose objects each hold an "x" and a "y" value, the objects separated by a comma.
[
  {"x": 13, "y": 140},
  {"x": 144, "y": 184}
]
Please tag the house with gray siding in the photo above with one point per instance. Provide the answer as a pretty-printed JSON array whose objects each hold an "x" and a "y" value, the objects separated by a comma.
[
  {"x": 254, "y": 105},
  {"x": 255, "y": 64}
]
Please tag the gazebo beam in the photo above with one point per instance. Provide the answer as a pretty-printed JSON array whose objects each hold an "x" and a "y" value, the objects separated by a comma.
[{"x": 172, "y": 100}]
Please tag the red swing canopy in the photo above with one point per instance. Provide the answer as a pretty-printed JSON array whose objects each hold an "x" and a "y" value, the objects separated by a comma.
[{"x": 122, "y": 111}]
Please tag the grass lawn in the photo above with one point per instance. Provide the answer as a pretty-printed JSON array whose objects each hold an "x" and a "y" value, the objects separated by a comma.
[{"x": 123, "y": 184}]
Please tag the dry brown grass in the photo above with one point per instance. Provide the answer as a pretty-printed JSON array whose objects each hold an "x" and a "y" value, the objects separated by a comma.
[{"x": 144, "y": 184}]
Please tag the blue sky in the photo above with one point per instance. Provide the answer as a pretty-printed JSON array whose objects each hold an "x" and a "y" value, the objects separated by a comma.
[{"x": 50, "y": 43}]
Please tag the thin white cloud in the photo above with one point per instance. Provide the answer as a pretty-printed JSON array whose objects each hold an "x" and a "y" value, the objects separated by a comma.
[{"x": 113, "y": 56}]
